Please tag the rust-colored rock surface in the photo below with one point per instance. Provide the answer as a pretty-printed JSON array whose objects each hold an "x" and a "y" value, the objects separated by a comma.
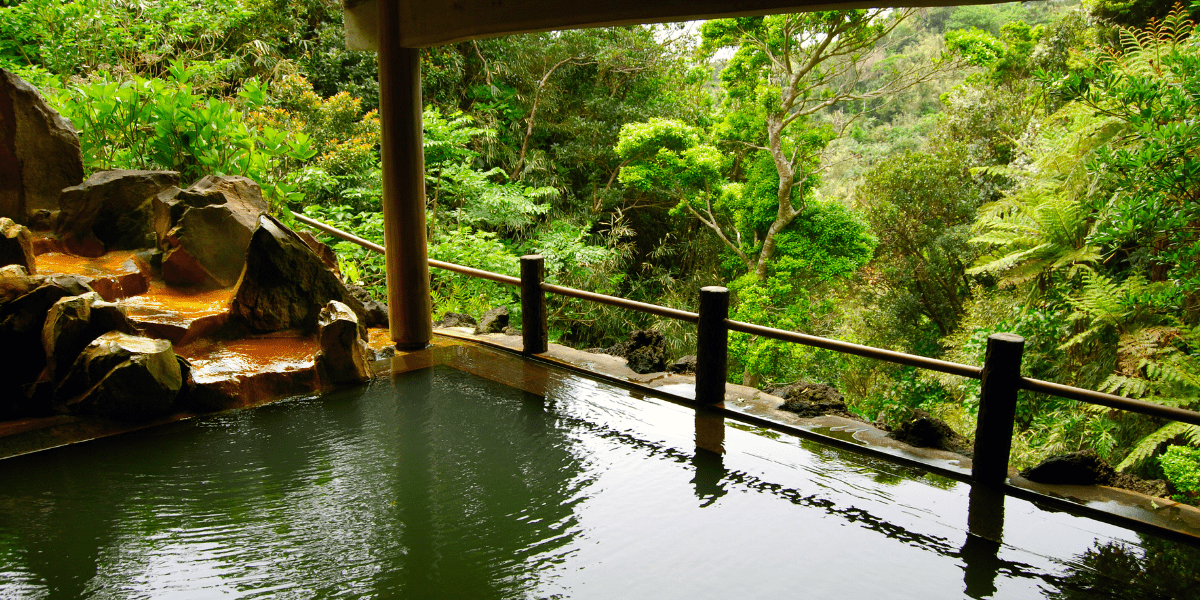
[
  {"x": 180, "y": 314},
  {"x": 114, "y": 275},
  {"x": 39, "y": 151},
  {"x": 251, "y": 371}
]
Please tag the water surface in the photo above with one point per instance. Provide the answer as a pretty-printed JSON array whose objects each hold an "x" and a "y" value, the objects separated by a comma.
[{"x": 442, "y": 484}]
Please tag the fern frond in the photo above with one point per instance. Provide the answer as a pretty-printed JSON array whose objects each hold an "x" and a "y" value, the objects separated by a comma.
[{"x": 1149, "y": 444}]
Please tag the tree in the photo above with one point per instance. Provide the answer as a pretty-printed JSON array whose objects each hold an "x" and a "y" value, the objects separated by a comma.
[
  {"x": 785, "y": 71},
  {"x": 921, "y": 206}
]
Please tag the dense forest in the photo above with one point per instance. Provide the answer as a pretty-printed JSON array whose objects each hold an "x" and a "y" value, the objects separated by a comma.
[{"x": 911, "y": 179}]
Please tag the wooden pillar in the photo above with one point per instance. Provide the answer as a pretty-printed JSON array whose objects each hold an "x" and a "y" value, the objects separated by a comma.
[
  {"x": 409, "y": 304},
  {"x": 997, "y": 407},
  {"x": 712, "y": 345},
  {"x": 535, "y": 337}
]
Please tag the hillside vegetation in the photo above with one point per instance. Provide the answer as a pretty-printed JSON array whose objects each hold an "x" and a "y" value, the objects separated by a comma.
[{"x": 910, "y": 179}]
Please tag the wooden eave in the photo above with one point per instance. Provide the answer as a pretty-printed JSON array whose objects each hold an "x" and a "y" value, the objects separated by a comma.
[{"x": 424, "y": 23}]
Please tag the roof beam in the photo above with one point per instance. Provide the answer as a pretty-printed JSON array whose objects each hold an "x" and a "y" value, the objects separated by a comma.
[{"x": 424, "y": 23}]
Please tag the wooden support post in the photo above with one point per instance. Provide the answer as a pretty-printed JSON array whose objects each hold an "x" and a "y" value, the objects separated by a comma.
[
  {"x": 997, "y": 408},
  {"x": 536, "y": 339},
  {"x": 409, "y": 304},
  {"x": 712, "y": 345}
]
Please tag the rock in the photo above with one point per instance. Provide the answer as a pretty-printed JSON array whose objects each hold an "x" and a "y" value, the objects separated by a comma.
[
  {"x": 125, "y": 377},
  {"x": 375, "y": 312},
  {"x": 926, "y": 431},
  {"x": 130, "y": 278},
  {"x": 15, "y": 282},
  {"x": 16, "y": 245},
  {"x": 383, "y": 353},
  {"x": 510, "y": 330},
  {"x": 1150, "y": 487},
  {"x": 112, "y": 210},
  {"x": 685, "y": 365},
  {"x": 646, "y": 351},
  {"x": 809, "y": 399},
  {"x": 493, "y": 321},
  {"x": 344, "y": 354},
  {"x": 285, "y": 285},
  {"x": 204, "y": 230},
  {"x": 39, "y": 151},
  {"x": 1077, "y": 468},
  {"x": 453, "y": 319},
  {"x": 328, "y": 256},
  {"x": 21, "y": 321},
  {"x": 72, "y": 323}
]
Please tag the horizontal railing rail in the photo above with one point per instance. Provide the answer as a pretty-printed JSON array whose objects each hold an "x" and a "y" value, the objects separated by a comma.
[{"x": 1000, "y": 374}]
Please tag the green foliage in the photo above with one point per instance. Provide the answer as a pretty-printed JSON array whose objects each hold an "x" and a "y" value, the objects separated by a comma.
[
  {"x": 1182, "y": 467},
  {"x": 920, "y": 206},
  {"x": 140, "y": 123}
]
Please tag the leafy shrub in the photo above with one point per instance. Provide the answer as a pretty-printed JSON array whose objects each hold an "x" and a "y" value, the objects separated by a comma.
[{"x": 1182, "y": 467}]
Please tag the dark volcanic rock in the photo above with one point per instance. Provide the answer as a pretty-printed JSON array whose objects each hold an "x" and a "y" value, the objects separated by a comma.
[
  {"x": 344, "y": 354},
  {"x": 493, "y": 321},
  {"x": 21, "y": 321},
  {"x": 926, "y": 431},
  {"x": 39, "y": 151},
  {"x": 375, "y": 312},
  {"x": 453, "y": 319},
  {"x": 809, "y": 399},
  {"x": 111, "y": 211},
  {"x": 16, "y": 245},
  {"x": 646, "y": 351},
  {"x": 1077, "y": 468},
  {"x": 204, "y": 230},
  {"x": 684, "y": 366},
  {"x": 285, "y": 285},
  {"x": 123, "y": 377}
]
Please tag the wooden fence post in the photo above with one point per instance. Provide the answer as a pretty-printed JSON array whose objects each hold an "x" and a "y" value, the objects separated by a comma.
[
  {"x": 997, "y": 407},
  {"x": 712, "y": 345},
  {"x": 535, "y": 338}
]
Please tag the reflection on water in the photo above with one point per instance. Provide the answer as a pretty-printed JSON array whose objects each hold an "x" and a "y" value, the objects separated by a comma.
[{"x": 440, "y": 484}]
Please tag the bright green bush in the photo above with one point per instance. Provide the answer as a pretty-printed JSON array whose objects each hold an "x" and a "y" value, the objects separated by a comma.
[{"x": 1182, "y": 467}]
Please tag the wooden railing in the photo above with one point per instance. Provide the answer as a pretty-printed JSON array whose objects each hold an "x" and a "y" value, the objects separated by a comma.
[{"x": 1000, "y": 375}]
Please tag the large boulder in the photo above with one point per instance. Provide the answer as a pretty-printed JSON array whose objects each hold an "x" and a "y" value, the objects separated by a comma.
[
  {"x": 344, "y": 355},
  {"x": 125, "y": 377},
  {"x": 39, "y": 151},
  {"x": 15, "y": 281},
  {"x": 111, "y": 211},
  {"x": 328, "y": 256},
  {"x": 493, "y": 321},
  {"x": 374, "y": 311},
  {"x": 646, "y": 351},
  {"x": 16, "y": 245},
  {"x": 453, "y": 319},
  {"x": 21, "y": 321},
  {"x": 204, "y": 230},
  {"x": 285, "y": 285},
  {"x": 72, "y": 323}
]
